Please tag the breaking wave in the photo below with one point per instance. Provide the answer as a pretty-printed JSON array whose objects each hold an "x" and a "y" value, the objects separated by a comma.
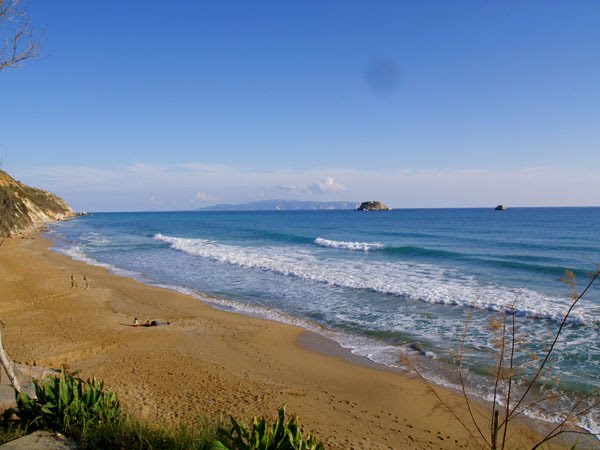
[
  {"x": 409, "y": 281},
  {"x": 75, "y": 252},
  {"x": 360, "y": 246}
]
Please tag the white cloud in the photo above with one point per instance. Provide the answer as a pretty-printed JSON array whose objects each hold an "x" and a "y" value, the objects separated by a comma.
[
  {"x": 159, "y": 203},
  {"x": 327, "y": 185},
  {"x": 153, "y": 199},
  {"x": 203, "y": 197},
  {"x": 293, "y": 190},
  {"x": 324, "y": 186}
]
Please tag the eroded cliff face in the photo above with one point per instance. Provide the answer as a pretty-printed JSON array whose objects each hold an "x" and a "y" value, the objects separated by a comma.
[{"x": 22, "y": 207}]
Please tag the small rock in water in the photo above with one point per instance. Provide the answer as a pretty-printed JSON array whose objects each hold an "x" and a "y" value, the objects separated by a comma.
[{"x": 373, "y": 206}]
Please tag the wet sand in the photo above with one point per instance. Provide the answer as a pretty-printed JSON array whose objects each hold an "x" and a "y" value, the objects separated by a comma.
[{"x": 208, "y": 362}]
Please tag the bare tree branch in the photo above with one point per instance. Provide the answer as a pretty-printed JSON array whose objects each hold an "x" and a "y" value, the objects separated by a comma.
[{"x": 19, "y": 39}]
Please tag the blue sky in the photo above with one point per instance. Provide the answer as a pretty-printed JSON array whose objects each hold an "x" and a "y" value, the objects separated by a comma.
[{"x": 145, "y": 105}]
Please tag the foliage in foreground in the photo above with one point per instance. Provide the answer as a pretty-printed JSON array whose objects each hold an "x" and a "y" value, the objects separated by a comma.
[
  {"x": 91, "y": 415},
  {"x": 260, "y": 435},
  {"x": 10, "y": 432},
  {"x": 134, "y": 433},
  {"x": 66, "y": 403}
]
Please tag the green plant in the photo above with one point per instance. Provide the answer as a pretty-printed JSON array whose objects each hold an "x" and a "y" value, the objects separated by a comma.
[
  {"x": 260, "y": 435},
  {"x": 91, "y": 415},
  {"x": 67, "y": 403},
  {"x": 138, "y": 433},
  {"x": 10, "y": 431}
]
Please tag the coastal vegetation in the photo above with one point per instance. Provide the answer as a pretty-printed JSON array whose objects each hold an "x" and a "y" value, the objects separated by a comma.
[
  {"x": 66, "y": 403},
  {"x": 260, "y": 435},
  {"x": 91, "y": 415},
  {"x": 22, "y": 206}
]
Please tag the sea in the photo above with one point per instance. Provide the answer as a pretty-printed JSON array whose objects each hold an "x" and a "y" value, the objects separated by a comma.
[{"x": 422, "y": 290}]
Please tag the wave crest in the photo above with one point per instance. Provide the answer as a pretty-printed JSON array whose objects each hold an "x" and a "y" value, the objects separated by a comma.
[
  {"x": 357, "y": 246},
  {"x": 410, "y": 281}
]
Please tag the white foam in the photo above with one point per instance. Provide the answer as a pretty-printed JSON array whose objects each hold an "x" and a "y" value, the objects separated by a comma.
[
  {"x": 422, "y": 282},
  {"x": 96, "y": 239},
  {"x": 357, "y": 246},
  {"x": 408, "y": 279},
  {"x": 248, "y": 309},
  {"x": 76, "y": 253},
  {"x": 552, "y": 410},
  {"x": 401, "y": 357}
]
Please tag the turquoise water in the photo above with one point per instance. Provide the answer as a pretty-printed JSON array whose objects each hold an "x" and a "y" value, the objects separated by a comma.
[{"x": 386, "y": 285}]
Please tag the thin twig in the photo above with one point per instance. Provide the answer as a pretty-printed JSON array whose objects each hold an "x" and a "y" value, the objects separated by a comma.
[
  {"x": 556, "y": 336},
  {"x": 463, "y": 385},
  {"x": 449, "y": 408}
]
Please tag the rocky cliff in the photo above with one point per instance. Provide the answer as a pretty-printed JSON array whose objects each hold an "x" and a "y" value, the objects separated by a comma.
[
  {"x": 23, "y": 207},
  {"x": 373, "y": 206}
]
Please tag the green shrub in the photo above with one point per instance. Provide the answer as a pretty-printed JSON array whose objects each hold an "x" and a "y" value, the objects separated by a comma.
[
  {"x": 133, "y": 433},
  {"x": 91, "y": 415},
  {"x": 67, "y": 403},
  {"x": 10, "y": 431},
  {"x": 261, "y": 436}
]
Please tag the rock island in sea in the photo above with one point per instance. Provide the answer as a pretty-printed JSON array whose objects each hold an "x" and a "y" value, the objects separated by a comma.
[{"x": 373, "y": 206}]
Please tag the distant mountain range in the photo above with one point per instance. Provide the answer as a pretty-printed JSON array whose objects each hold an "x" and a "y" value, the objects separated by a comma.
[{"x": 282, "y": 205}]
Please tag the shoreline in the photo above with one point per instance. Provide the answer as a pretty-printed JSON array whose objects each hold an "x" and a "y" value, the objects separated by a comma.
[{"x": 244, "y": 365}]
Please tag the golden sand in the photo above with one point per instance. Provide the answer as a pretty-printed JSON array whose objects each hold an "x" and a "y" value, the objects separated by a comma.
[{"x": 63, "y": 312}]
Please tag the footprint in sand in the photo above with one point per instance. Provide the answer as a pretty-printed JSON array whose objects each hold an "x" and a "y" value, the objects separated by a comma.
[{"x": 73, "y": 282}]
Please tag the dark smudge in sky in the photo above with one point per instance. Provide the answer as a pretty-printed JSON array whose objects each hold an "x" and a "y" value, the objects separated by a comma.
[{"x": 382, "y": 76}]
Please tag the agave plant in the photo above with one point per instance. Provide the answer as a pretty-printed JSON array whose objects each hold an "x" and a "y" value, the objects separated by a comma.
[
  {"x": 260, "y": 435},
  {"x": 65, "y": 402}
]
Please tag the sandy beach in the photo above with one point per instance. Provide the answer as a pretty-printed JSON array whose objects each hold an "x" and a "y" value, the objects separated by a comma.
[{"x": 58, "y": 311}]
